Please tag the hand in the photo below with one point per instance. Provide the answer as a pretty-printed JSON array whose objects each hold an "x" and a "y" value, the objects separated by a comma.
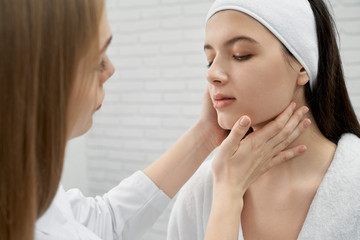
[
  {"x": 239, "y": 162},
  {"x": 208, "y": 120}
]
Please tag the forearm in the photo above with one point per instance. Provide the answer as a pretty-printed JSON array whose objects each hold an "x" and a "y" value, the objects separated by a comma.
[
  {"x": 224, "y": 220},
  {"x": 178, "y": 164}
]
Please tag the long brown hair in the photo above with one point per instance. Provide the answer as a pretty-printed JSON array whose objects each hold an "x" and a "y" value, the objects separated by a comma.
[
  {"x": 329, "y": 100},
  {"x": 41, "y": 45}
]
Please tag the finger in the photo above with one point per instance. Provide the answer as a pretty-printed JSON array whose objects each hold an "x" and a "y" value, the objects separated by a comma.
[
  {"x": 297, "y": 132},
  {"x": 207, "y": 98},
  {"x": 289, "y": 127},
  {"x": 287, "y": 155},
  {"x": 240, "y": 128},
  {"x": 207, "y": 109},
  {"x": 274, "y": 127}
]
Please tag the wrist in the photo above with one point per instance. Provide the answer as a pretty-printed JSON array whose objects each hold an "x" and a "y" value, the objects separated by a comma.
[
  {"x": 211, "y": 136},
  {"x": 228, "y": 202},
  {"x": 231, "y": 193},
  {"x": 205, "y": 135}
]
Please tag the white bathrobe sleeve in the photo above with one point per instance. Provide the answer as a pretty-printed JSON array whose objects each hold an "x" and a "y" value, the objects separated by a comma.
[
  {"x": 183, "y": 222},
  {"x": 125, "y": 212},
  {"x": 190, "y": 214}
]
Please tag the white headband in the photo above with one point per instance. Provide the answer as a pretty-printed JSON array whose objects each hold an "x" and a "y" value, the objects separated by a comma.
[{"x": 291, "y": 21}]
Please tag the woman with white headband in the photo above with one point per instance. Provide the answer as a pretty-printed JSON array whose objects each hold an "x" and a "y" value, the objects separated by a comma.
[{"x": 262, "y": 55}]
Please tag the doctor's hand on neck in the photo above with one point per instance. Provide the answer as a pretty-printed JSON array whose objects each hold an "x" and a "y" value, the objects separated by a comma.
[{"x": 241, "y": 161}]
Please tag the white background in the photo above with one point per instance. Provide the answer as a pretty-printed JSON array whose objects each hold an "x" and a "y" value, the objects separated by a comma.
[{"x": 155, "y": 94}]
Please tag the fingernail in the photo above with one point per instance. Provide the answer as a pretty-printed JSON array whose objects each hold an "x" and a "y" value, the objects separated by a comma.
[
  {"x": 244, "y": 121},
  {"x": 302, "y": 149},
  {"x": 307, "y": 123},
  {"x": 293, "y": 105},
  {"x": 305, "y": 110}
]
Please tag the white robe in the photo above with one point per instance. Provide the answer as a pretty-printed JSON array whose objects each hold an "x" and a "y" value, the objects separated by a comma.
[
  {"x": 334, "y": 213},
  {"x": 125, "y": 212}
]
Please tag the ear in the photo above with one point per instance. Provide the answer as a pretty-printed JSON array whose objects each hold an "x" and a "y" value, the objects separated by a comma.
[{"x": 303, "y": 77}]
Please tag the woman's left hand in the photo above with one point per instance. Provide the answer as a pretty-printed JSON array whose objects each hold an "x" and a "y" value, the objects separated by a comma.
[{"x": 208, "y": 121}]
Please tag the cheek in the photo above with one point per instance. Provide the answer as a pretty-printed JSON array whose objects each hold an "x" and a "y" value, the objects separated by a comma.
[
  {"x": 265, "y": 88},
  {"x": 86, "y": 105},
  {"x": 102, "y": 77},
  {"x": 91, "y": 100}
]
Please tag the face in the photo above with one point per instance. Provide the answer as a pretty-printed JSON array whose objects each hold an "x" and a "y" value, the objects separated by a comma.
[
  {"x": 249, "y": 73},
  {"x": 84, "y": 102}
]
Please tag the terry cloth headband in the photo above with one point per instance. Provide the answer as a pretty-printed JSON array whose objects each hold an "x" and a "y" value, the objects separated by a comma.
[{"x": 291, "y": 21}]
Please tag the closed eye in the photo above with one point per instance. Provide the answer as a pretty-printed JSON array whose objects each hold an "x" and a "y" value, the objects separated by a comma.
[
  {"x": 242, "y": 58},
  {"x": 236, "y": 57}
]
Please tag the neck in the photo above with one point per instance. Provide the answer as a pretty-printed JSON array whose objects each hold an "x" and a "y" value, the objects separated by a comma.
[{"x": 312, "y": 165}]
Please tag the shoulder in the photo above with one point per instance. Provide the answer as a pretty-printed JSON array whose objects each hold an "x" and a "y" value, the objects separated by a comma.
[
  {"x": 343, "y": 174},
  {"x": 347, "y": 156},
  {"x": 349, "y": 146},
  {"x": 334, "y": 212},
  {"x": 56, "y": 222}
]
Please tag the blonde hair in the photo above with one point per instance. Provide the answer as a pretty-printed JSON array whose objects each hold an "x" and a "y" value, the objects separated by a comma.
[{"x": 41, "y": 45}]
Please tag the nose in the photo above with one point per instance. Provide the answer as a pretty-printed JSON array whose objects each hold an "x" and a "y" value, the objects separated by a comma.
[
  {"x": 109, "y": 71},
  {"x": 111, "y": 68},
  {"x": 216, "y": 74}
]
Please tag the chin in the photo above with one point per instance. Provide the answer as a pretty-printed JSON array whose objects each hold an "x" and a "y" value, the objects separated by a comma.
[
  {"x": 226, "y": 123},
  {"x": 82, "y": 130},
  {"x": 87, "y": 128}
]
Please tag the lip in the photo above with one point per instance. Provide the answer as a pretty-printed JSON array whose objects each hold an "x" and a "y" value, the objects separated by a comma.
[
  {"x": 222, "y": 101},
  {"x": 98, "y": 107}
]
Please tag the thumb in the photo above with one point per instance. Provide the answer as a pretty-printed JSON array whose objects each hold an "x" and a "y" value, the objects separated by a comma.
[{"x": 240, "y": 128}]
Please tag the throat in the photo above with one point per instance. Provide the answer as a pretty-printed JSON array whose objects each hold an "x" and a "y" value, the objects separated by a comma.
[
  {"x": 312, "y": 165},
  {"x": 277, "y": 203}
]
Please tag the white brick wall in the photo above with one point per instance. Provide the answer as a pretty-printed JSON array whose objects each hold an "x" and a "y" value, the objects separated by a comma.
[
  {"x": 347, "y": 15},
  {"x": 156, "y": 93}
]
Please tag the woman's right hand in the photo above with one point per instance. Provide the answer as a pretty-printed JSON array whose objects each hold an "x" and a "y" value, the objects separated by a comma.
[{"x": 241, "y": 161}]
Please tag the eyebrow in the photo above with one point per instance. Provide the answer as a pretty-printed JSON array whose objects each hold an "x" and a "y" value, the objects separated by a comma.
[
  {"x": 232, "y": 41},
  {"x": 106, "y": 44}
]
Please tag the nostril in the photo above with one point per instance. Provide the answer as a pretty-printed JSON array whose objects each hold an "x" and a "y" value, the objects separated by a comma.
[{"x": 216, "y": 81}]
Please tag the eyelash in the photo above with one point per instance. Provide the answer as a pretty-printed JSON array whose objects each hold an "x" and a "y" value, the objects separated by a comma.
[
  {"x": 237, "y": 58},
  {"x": 102, "y": 65},
  {"x": 242, "y": 58}
]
